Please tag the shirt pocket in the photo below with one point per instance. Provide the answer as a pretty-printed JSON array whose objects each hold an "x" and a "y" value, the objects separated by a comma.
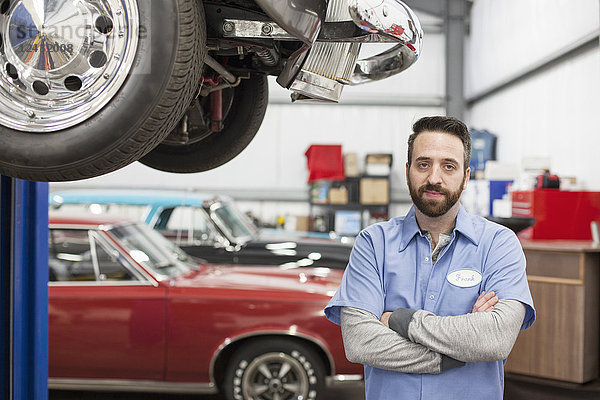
[
  {"x": 460, "y": 291},
  {"x": 402, "y": 291}
]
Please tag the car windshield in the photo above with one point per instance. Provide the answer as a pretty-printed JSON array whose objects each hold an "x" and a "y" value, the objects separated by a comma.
[
  {"x": 153, "y": 251},
  {"x": 237, "y": 225}
]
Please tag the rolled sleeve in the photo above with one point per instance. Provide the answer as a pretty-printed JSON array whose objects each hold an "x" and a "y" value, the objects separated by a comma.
[
  {"x": 505, "y": 273},
  {"x": 361, "y": 285}
]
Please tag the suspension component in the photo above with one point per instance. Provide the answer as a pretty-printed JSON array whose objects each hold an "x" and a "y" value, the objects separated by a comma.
[
  {"x": 216, "y": 110},
  {"x": 268, "y": 57}
]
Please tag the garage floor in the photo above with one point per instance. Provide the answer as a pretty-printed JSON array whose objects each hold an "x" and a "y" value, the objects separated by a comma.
[
  {"x": 519, "y": 387},
  {"x": 516, "y": 388},
  {"x": 350, "y": 391}
]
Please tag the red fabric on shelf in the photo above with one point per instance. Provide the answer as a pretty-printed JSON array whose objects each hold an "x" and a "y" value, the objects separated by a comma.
[{"x": 325, "y": 161}]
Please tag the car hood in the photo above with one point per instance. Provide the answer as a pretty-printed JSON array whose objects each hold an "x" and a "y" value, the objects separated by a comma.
[
  {"x": 281, "y": 244},
  {"x": 278, "y": 235},
  {"x": 323, "y": 281}
]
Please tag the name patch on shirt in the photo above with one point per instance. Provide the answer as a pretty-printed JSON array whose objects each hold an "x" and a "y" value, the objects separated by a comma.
[{"x": 464, "y": 278}]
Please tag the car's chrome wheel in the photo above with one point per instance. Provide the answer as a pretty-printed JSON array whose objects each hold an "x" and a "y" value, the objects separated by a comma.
[
  {"x": 62, "y": 61},
  {"x": 89, "y": 86},
  {"x": 276, "y": 369},
  {"x": 275, "y": 376}
]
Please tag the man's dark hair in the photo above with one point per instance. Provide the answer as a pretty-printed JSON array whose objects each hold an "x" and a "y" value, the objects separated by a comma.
[{"x": 443, "y": 124}]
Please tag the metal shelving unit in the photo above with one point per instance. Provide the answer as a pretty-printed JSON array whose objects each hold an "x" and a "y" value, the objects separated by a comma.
[{"x": 327, "y": 211}]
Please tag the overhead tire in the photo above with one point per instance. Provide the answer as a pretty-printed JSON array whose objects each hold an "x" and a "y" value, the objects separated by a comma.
[
  {"x": 275, "y": 368},
  {"x": 204, "y": 150},
  {"x": 160, "y": 85}
]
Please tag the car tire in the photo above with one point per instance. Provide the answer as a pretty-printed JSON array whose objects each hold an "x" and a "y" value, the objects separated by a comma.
[
  {"x": 245, "y": 376},
  {"x": 243, "y": 116},
  {"x": 163, "y": 73}
]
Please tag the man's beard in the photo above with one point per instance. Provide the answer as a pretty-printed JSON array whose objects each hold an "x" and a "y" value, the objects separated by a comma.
[{"x": 434, "y": 207}]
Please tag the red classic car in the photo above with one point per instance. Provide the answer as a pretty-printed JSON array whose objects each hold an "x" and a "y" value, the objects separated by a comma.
[{"x": 130, "y": 311}]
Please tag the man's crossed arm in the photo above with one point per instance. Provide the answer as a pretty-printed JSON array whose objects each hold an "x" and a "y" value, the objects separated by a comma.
[
  {"x": 367, "y": 341},
  {"x": 421, "y": 342}
]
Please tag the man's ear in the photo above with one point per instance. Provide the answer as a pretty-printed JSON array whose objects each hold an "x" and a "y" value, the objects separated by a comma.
[
  {"x": 407, "y": 168},
  {"x": 467, "y": 177}
]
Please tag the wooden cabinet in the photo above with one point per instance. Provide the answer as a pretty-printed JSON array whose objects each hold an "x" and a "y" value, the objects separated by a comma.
[{"x": 563, "y": 343}]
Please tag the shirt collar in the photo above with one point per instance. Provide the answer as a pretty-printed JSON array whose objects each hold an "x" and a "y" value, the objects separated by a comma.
[
  {"x": 464, "y": 225},
  {"x": 409, "y": 228}
]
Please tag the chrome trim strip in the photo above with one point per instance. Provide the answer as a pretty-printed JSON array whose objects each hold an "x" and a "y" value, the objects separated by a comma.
[
  {"x": 254, "y": 29},
  {"x": 337, "y": 380},
  {"x": 99, "y": 227},
  {"x": 100, "y": 283},
  {"x": 290, "y": 332},
  {"x": 123, "y": 385},
  {"x": 77, "y": 226}
]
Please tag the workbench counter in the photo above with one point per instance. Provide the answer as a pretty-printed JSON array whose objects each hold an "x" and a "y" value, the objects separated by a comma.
[{"x": 563, "y": 343}]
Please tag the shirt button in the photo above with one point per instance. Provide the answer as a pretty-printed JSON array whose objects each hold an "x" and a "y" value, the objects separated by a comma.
[
  {"x": 426, "y": 258},
  {"x": 431, "y": 297}
]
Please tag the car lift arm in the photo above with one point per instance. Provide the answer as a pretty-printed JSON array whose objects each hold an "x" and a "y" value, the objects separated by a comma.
[{"x": 23, "y": 290}]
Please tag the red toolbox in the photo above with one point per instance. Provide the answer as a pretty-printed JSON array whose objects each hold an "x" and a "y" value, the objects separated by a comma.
[
  {"x": 325, "y": 161},
  {"x": 558, "y": 214}
]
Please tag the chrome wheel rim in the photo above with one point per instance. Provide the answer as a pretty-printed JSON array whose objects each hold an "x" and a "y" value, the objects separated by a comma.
[
  {"x": 63, "y": 60},
  {"x": 275, "y": 376}
]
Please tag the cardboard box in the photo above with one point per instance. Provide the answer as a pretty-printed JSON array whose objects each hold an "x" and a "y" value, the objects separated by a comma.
[
  {"x": 379, "y": 158},
  {"x": 338, "y": 195},
  {"x": 378, "y": 164},
  {"x": 374, "y": 191},
  {"x": 351, "y": 165},
  {"x": 302, "y": 223}
]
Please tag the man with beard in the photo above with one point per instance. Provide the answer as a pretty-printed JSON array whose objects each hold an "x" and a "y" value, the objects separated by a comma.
[{"x": 432, "y": 303}]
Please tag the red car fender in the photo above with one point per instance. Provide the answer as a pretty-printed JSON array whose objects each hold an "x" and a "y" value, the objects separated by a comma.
[{"x": 275, "y": 331}]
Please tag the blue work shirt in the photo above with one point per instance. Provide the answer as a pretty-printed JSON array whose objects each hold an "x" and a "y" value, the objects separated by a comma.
[{"x": 391, "y": 267}]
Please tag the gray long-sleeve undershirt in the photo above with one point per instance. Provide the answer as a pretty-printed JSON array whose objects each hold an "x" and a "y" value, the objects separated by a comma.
[
  {"x": 432, "y": 340},
  {"x": 368, "y": 341}
]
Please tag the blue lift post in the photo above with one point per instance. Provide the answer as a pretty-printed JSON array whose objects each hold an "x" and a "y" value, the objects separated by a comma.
[{"x": 23, "y": 290}]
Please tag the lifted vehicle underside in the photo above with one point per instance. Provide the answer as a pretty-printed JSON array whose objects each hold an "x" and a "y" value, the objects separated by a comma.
[{"x": 89, "y": 87}]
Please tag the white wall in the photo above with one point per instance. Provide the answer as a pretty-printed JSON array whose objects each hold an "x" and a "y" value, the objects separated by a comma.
[
  {"x": 275, "y": 159},
  {"x": 555, "y": 113},
  {"x": 508, "y": 36}
]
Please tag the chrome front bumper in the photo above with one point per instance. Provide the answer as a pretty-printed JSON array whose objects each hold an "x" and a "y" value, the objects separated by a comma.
[{"x": 320, "y": 70}]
